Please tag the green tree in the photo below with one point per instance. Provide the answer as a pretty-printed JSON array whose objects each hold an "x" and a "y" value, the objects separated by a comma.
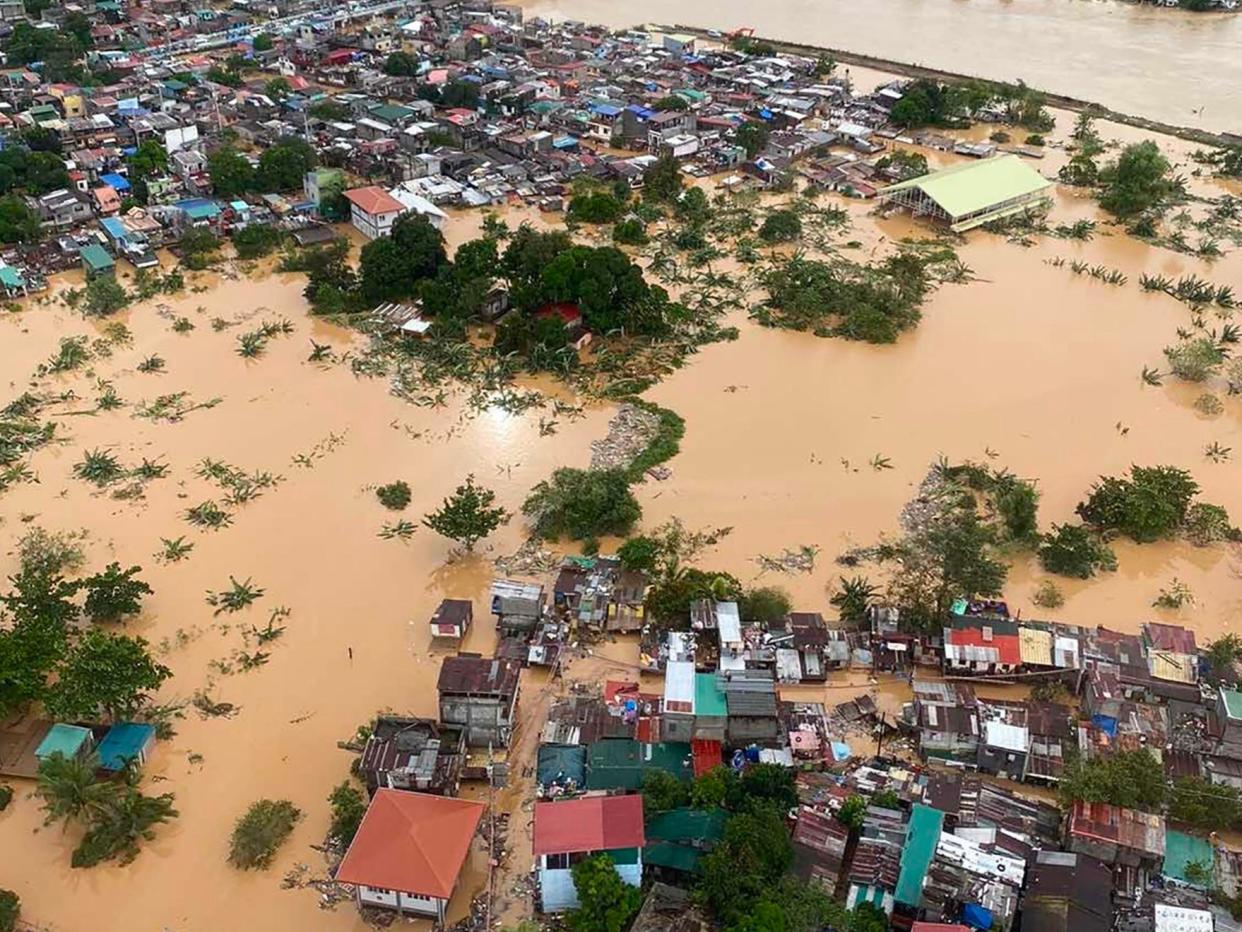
[
  {"x": 1221, "y": 655},
  {"x": 109, "y": 673},
  {"x": 671, "y": 102},
  {"x": 231, "y": 174},
  {"x": 392, "y": 267},
  {"x": 594, "y": 207},
  {"x": 10, "y": 910},
  {"x": 104, "y": 296},
  {"x": 905, "y": 163},
  {"x": 765, "y": 604},
  {"x": 329, "y": 111},
  {"x": 460, "y": 93},
  {"x": 114, "y": 593},
  {"x": 256, "y": 240},
  {"x": 149, "y": 159},
  {"x": 1017, "y": 505},
  {"x": 853, "y": 812},
  {"x": 1140, "y": 180},
  {"x": 348, "y": 807},
  {"x": 1132, "y": 779},
  {"x": 712, "y": 789},
  {"x": 639, "y": 553},
  {"x": 259, "y": 833},
  {"x": 662, "y": 180},
  {"x": 780, "y": 226},
  {"x": 71, "y": 789},
  {"x": 283, "y": 166},
  {"x": 748, "y": 862},
  {"x": 1073, "y": 550},
  {"x": 663, "y": 791},
  {"x": 1151, "y": 504},
  {"x": 401, "y": 65},
  {"x": 528, "y": 253},
  {"x": 763, "y": 784},
  {"x": 41, "y": 139},
  {"x": 752, "y": 135},
  {"x": 1201, "y": 803},
  {"x": 278, "y": 88},
  {"x": 468, "y": 515},
  {"x": 229, "y": 77},
  {"x": 606, "y": 903},
  {"x": 18, "y": 223},
  {"x": 263, "y": 42},
  {"x": 582, "y": 504},
  {"x": 129, "y": 819},
  {"x": 853, "y": 598}
]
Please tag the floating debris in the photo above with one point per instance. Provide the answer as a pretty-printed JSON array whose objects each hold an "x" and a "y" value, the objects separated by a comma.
[
  {"x": 530, "y": 559},
  {"x": 792, "y": 560},
  {"x": 629, "y": 433}
]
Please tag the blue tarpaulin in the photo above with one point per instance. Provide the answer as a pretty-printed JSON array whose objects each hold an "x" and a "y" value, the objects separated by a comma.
[
  {"x": 1106, "y": 724},
  {"x": 976, "y": 916}
]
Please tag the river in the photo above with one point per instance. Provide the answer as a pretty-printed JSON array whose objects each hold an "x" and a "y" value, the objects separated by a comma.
[{"x": 1170, "y": 65}]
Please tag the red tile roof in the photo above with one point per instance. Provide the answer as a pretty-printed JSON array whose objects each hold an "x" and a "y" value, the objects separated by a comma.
[
  {"x": 412, "y": 842},
  {"x": 590, "y": 823},
  {"x": 374, "y": 200}
]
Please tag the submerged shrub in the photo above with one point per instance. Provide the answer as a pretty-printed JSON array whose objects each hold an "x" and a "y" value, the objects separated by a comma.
[
  {"x": 395, "y": 495},
  {"x": 1073, "y": 550},
  {"x": 261, "y": 831},
  {"x": 1194, "y": 360}
]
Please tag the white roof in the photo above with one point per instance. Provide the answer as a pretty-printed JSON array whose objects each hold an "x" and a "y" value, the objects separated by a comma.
[
  {"x": 679, "y": 687},
  {"x": 1005, "y": 736},
  {"x": 729, "y": 623},
  {"x": 417, "y": 326},
  {"x": 417, "y": 203},
  {"x": 854, "y": 129}
]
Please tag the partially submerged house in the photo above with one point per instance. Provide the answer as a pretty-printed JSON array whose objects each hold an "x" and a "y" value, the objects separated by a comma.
[
  {"x": 480, "y": 694},
  {"x": 413, "y": 754},
  {"x": 1115, "y": 835},
  {"x": 971, "y": 194},
  {"x": 409, "y": 851},
  {"x": 452, "y": 619},
  {"x": 569, "y": 831}
]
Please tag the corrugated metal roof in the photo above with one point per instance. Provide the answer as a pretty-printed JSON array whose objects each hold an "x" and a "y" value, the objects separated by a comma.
[
  {"x": 974, "y": 186},
  {"x": 1035, "y": 646}
]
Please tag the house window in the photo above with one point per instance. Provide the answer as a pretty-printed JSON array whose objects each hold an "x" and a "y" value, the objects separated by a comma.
[{"x": 556, "y": 862}]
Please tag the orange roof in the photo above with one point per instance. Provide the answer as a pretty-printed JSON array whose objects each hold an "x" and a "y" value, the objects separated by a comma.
[
  {"x": 412, "y": 842},
  {"x": 374, "y": 200}
]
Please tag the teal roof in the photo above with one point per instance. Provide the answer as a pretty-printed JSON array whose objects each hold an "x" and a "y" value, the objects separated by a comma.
[
  {"x": 623, "y": 855},
  {"x": 124, "y": 741},
  {"x": 1233, "y": 702},
  {"x": 66, "y": 740},
  {"x": 1182, "y": 850},
  {"x": 709, "y": 698},
  {"x": 674, "y": 856},
  {"x": 687, "y": 825},
  {"x": 556, "y": 760},
  {"x": 11, "y": 278},
  {"x": 922, "y": 834},
  {"x": 619, "y": 764},
  {"x": 391, "y": 113},
  {"x": 97, "y": 258}
]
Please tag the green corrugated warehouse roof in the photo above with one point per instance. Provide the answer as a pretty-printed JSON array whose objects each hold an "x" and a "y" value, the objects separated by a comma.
[
  {"x": 1182, "y": 850},
  {"x": 63, "y": 739},
  {"x": 619, "y": 764},
  {"x": 973, "y": 186},
  {"x": 709, "y": 698},
  {"x": 921, "y": 837}
]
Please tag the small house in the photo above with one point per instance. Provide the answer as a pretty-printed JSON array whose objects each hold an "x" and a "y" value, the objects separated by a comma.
[
  {"x": 125, "y": 742},
  {"x": 97, "y": 262},
  {"x": 518, "y": 606},
  {"x": 452, "y": 619},
  {"x": 69, "y": 741},
  {"x": 409, "y": 851},
  {"x": 1116, "y": 835},
  {"x": 679, "y": 696},
  {"x": 678, "y": 839},
  {"x": 373, "y": 211},
  {"x": 480, "y": 694},
  {"x": 1068, "y": 892},
  {"x": 569, "y": 831},
  {"x": 413, "y": 754}
]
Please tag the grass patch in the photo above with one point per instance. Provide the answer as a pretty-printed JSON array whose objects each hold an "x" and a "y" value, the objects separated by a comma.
[{"x": 260, "y": 832}]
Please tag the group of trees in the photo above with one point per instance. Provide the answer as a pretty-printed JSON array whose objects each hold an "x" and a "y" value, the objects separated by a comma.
[
  {"x": 582, "y": 504},
  {"x": 1153, "y": 503},
  {"x": 88, "y": 675},
  {"x": 281, "y": 167},
  {"x": 59, "y": 50},
  {"x": 115, "y": 814},
  {"x": 926, "y": 102},
  {"x": 1137, "y": 186},
  {"x": 35, "y": 171},
  {"x": 841, "y": 298}
]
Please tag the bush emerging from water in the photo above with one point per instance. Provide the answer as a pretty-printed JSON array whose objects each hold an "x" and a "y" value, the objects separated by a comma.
[
  {"x": 1194, "y": 360},
  {"x": 1151, "y": 504},
  {"x": 632, "y": 232},
  {"x": 10, "y": 910},
  {"x": 582, "y": 503},
  {"x": 395, "y": 495},
  {"x": 256, "y": 240},
  {"x": 1073, "y": 550},
  {"x": 780, "y": 226},
  {"x": 348, "y": 808},
  {"x": 260, "y": 832}
]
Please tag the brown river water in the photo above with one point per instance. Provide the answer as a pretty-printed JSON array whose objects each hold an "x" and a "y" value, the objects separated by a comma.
[
  {"x": 1090, "y": 49},
  {"x": 1030, "y": 362}
]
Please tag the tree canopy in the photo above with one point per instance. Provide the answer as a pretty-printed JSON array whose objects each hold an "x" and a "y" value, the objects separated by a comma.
[
  {"x": 582, "y": 504},
  {"x": 392, "y": 267},
  {"x": 468, "y": 515},
  {"x": 605, "y": 902},
  {"x": 104, "y": 673},
  {"x": 1140, "y": 180}
]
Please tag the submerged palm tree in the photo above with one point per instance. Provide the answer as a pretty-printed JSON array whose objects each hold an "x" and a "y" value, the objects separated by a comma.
[{"x": 71, "y": 790}]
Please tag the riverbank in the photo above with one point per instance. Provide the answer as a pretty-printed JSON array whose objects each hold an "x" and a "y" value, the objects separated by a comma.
[{"x": 909, "y": 70}]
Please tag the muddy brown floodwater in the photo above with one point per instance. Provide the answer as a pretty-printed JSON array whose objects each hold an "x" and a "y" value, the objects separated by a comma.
[{"x": 1031, "y": 363}]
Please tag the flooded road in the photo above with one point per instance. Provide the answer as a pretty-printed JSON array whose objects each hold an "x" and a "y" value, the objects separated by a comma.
[
  {"x": 1179, "y": 67},
  {"x": 1029, "y": 363}
]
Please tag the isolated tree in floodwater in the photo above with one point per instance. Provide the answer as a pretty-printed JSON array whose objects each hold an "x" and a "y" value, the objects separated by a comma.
[{"x": 468, "y": 515}]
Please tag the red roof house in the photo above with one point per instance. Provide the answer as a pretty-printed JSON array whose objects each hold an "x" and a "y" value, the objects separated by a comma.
[
  {"x": 567, "y": 831},
  {"x": 409, "y": 851},
  {"x": 373, "y": 210}
]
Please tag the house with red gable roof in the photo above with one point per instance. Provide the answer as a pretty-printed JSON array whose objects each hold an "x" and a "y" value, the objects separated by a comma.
[
  {"x": 981, "y": 644},
  {"x": 569, "y": 831},
  {"x": 409, "y": 851},
  {"x": 373, "y": 210}
]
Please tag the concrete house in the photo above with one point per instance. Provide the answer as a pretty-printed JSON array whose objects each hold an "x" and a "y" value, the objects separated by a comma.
[
  {"x": 409, "y": 851},
  {"x": 373, "y": 211},
  {"x": 569, "y": 831},
  {"x": 479, "y": 694}
]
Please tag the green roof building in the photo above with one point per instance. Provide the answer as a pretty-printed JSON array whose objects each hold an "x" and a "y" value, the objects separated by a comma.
[
  {"x": 922, "y": 835},
  {"x": 620, "y": 764},
  {"x": 974, "y": 193},
  {"x": 679, "y": 838},
  {"x": 1182, "y": 850},
  {"x": 67, "y": 740},
  {"x": 96, "y": 261}
]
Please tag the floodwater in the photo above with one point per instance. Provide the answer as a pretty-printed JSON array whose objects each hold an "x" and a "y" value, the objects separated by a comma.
[
  {"x": 1089, "y": 49},
  {"x": 1029, "y": 363}
]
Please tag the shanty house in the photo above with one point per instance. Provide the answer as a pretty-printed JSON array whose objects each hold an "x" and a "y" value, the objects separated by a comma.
[
  {"x": 679, "y": 701},
  {"x": 409, "y": 851},
  {"x": 125, "y": 742},
  {"x": 69, "y": 741},
  {"x": 413, "y": 754},
  {"x": 981, "y": 644},
  {"x": 567, "y": 832},
  {"x": 479, "y": 694},
  {"x": 1115, "y": 835},
  {"x": 678, "y": 839},
  {"x": 97, "y": 262},
  {"x": 1068, "y": 892},
  {"x": 974, "y": 193},
  {"x": 750, "y": 700},
  {"x": 452, "y": 619}
]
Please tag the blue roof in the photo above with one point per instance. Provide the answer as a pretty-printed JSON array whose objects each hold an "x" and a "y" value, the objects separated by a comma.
[
  {"x": 643, "y": 112},
  {"x": 124, "y": 741},
  {"x": 199, "y": 208},
  {"x": 113, "y": 227},
  {"x": 564, "y": 142},
  {"x": 605, "y": 109},
  {"x": 120, "y": 182},
  {"x": 63, "y": 739}
]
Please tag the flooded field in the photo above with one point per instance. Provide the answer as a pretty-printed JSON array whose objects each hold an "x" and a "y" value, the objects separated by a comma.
[
  {"x": 1085, "y": 50},
  {"x": 1029, "y": 364}
]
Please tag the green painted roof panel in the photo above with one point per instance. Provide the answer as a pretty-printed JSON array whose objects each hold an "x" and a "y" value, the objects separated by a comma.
[
  {"x": 974, "y": 186},
  {"x": 921, "y": 837},
  {"x": 687, "y": 825},
  {"x": 1233, "y": 702},
  {"x": 1182, "y": 850},
  {"x": 709, "y": 698}
]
